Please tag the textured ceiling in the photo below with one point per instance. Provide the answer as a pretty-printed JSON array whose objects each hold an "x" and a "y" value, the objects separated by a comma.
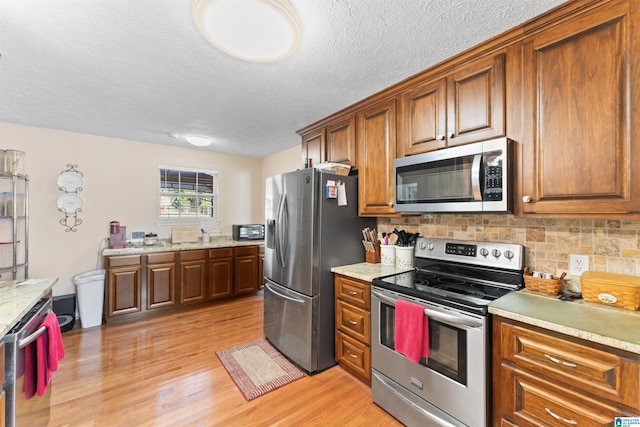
[{"x": 139, "y": 69}]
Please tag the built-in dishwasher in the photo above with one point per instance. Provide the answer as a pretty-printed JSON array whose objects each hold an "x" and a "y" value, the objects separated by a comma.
[{"x": 20, "y": 410}]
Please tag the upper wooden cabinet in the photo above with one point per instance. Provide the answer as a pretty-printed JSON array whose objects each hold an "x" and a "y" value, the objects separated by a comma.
[
  {"x": 341, "y": 141},
  {"x": 468, "y": 105},
  {"x": 580, "y": 116},
  {"x": 376, "y": 147},
  {"x": 335, "y": 142},
  {"x": 314, "y": 147}
]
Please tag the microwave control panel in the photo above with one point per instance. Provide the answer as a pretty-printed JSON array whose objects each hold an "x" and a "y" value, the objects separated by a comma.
[{"x": 492, "y": 191}]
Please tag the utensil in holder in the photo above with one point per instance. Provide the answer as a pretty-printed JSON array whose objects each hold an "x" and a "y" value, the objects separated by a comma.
[{"x": 551, "y": 286}]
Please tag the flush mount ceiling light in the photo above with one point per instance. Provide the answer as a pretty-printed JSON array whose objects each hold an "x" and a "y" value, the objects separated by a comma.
[
  {"x": 200, "y": 141},
  {"x": 252, "y": 30}
]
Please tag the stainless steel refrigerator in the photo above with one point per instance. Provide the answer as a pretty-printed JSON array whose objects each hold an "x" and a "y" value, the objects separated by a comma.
[{"x": 306, "y": 234}]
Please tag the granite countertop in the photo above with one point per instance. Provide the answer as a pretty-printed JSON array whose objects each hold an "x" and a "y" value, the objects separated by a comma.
[
  {"x": 16, "y": 299},
  {"x": 367, "y": 271},
  {"x": 615, "y": 327},
  {"x": 166, "y": 246}
]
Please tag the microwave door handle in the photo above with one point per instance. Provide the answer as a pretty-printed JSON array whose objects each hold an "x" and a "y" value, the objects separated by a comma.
[
  {"x": 435, "y": 315},
  {"x": 475, "y": 177}
]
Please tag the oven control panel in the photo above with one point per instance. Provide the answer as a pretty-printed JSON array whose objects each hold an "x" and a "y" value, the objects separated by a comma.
[
  {"x": 488, "y": 254},
  {"x": 460, "y": 249}
]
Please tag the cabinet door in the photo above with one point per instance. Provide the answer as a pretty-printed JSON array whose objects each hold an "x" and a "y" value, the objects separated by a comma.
[
  {"x": 341, "y": 141},
  {"x": 123, "y": 290},
  {"x": 476, "y": 101},
  {"x": 161, "y": 285},
  {"x": 422, "y": 118},
  {"x": 581, "y": 140},
  {"x": 220, "y": 278},
  {"x": 193, "y": 281},
  {"x": 376, "y": 148},
  {"x": 313, "y": 147},
  {"x": 246, "y": 269}
]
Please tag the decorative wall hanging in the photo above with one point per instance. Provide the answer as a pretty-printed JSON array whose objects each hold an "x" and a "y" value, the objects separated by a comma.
[{"x": 70, "y": 181}]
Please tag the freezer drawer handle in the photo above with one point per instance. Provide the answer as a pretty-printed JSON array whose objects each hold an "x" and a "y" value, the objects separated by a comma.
[{"x": 299, "y": 301}]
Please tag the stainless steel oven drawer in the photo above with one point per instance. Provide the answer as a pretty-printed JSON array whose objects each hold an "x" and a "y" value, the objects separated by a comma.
[{"x": 407, "y": 407}]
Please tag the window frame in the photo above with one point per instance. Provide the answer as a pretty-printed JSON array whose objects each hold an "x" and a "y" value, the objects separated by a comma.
[{"x": 202, "y": 221}]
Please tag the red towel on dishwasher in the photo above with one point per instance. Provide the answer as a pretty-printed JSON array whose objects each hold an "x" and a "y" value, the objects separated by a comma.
[
  {"x": 49, "y": 349},
  {"x": 411, "y": 330}
]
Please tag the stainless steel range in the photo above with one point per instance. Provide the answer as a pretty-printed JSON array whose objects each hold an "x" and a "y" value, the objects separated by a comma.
[{"x": 454, "y": 281}]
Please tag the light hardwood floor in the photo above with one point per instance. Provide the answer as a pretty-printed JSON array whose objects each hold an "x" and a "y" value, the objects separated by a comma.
[{"x": 163, "y": 371}]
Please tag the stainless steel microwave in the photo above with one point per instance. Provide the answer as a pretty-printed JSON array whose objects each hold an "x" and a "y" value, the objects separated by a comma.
[{"x": 467, "y": 178}]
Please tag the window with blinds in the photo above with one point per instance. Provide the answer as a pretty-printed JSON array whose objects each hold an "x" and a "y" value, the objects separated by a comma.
[{"x": 188, "y": 195}]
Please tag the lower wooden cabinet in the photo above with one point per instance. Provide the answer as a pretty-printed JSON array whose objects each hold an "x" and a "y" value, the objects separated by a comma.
[
  {"x": 124, "y": 285},
  {"x": 546, "y": 378},
  {"x": 261, "y": 279},
  {"x": 193, "y": 276},
  {"x": 246, "y": 269},
  {"x": 221, "y": 270},
  {"x": 353, "y": 326},
  {"x": 161, "y": 280},
  {"x": 138, "y": 285}
]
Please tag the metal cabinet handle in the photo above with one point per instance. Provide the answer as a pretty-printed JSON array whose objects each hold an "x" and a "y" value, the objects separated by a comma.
[
  {"x": 559, "y": 418},
  {"x": 354, "y": 293},
  {"x": 390, "y": 204},
  {"x": 526, "y": 199},
  {"x": 352, "y": 322},
  {"x": 451, "y": 135},
  {"x": 352, "y": 355},
  {"x": 561, "y": 362},
  {"x": 440, "y": 137}
]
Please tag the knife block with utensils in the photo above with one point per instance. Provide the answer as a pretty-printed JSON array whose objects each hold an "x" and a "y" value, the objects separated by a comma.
[{"x": 373, "y": 257}]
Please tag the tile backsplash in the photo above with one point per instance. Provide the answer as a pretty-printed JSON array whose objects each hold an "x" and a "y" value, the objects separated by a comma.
[{"x": 612, "y": 245}]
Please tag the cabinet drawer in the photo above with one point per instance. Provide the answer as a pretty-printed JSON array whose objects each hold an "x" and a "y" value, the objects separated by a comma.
[
  {"x": 353, "y": 321},
  {"x": 221, "y": 253},
  {"x": 354, "y": 356},
  {"x": 161, "y": 258},
  {"x": 601, "y": 373},
  {"x": 246, "y": 250},
  {"x": 199, "y": 254},
  {"x": 534, "y": 402},
  {"x": 119, "y": 261},
  {"x": 353, "y": 291}
]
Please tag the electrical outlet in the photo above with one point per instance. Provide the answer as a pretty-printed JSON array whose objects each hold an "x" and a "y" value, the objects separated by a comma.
[{"x": 578, "y": 264}]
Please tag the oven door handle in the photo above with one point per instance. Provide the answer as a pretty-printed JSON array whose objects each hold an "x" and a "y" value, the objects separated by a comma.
[{"x": 435, "y": 315}]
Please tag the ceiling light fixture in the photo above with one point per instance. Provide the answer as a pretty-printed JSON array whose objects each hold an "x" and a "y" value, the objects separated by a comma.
[
  {"x": 252, "y": 30},
  {"x": 200, "y": 141}
]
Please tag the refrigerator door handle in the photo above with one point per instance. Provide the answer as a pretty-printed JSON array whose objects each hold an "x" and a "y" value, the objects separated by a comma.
[
  {"x": 282, "y": 224},
  {"x": 278, "y": 294},
  {"x": 277, "y": 232}
]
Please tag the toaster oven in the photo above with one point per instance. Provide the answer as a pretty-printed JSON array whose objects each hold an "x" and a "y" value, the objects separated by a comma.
[{"x": 248, "y": 232}]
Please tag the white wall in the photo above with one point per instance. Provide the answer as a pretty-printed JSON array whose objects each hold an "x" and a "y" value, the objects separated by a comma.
[
  {"x": 120, "y": 183},
  {"x": 285, "y": 161}
]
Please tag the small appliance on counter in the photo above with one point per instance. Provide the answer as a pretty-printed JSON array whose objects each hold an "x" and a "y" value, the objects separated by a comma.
[
  {"x": 248, "y": 232},
  {"x": 117, "y": 235},
  {"x": 150, "y": 239}
]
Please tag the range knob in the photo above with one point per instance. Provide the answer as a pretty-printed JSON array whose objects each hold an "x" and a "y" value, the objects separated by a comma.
[
  {"x": 508, "y": 255},
  {"x": 423, "y": 246},
  {"x": 484, "y": 252},
  {"x": 496, "y": 253},
  {"x": 430, "y": 246}
]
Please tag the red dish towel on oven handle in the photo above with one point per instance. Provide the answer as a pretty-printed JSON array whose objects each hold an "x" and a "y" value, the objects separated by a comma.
[{"x": 411, "y": 330}]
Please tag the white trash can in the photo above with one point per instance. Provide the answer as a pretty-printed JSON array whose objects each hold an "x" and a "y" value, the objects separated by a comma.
[{"x": 90, "y": 291}]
